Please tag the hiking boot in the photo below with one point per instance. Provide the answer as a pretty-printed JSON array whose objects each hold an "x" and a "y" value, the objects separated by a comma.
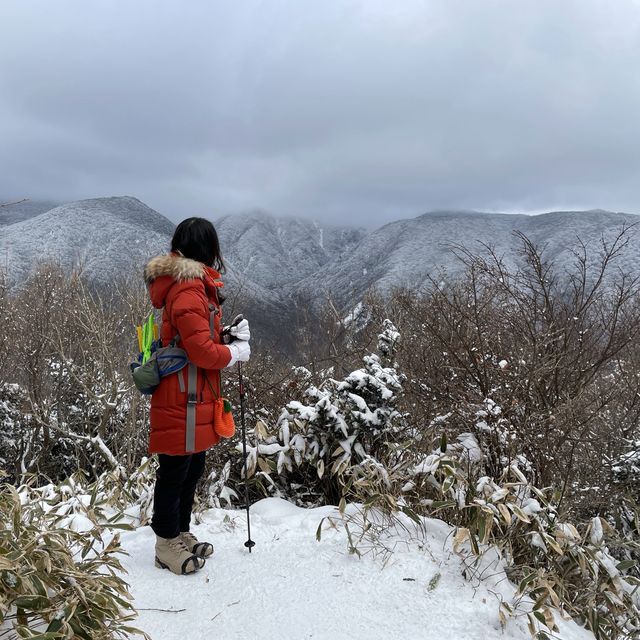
[
  {"x": 200, "y": 549},
  {"x": 172, "y": 554}
]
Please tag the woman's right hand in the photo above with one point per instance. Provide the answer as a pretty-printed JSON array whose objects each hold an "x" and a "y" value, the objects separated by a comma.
[
  {"x": 237, "y": 330},
  {"x": 241, "y": 330},
  {"x": 240, "y": 352}
]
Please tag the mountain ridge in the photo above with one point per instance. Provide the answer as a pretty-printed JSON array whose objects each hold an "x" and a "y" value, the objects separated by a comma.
[
  {"x": 101, "y": 236},
  {"x": 12, "y": 211},
  {"x": 273, "y": 259}
]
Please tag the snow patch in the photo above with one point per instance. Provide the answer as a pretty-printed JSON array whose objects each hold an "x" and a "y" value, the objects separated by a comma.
[{"x": 292, "y": 587}]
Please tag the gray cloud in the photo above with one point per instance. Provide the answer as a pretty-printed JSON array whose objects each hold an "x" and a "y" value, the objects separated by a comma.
[{"x": 341, "y": 110}]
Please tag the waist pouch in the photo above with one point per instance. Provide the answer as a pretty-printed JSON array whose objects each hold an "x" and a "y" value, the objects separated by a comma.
[{"x": 163, "y": 362}]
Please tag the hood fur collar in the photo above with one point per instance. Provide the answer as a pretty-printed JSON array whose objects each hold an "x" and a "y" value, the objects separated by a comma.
[{"x": 178, "y": 267}]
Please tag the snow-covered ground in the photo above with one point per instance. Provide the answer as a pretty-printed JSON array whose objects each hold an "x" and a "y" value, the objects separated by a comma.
[{"x": 293, "y": 587}]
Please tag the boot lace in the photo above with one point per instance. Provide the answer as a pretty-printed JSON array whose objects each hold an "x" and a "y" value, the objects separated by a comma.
[
  {"x": 188, "y": 539},
  {"x": 177, "y": 544}
]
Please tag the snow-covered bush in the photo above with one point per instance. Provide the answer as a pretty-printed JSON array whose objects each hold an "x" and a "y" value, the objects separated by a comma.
[
  {"x": 331, "y": 444},
  {"x": 59, "y": 573},
  {"x": 626, "y": 468},
  {"x": 555, "y": 563},
  {"x": 625, "y": 472},
  {"x": 15, "y": 424}
]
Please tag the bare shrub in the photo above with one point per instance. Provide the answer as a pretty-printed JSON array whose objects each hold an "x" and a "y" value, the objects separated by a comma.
[
  {"x": 539, "y": 362},
  {"x": 67, "y": 349}
]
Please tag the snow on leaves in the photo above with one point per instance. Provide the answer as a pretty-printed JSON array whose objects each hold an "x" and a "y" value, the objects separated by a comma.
[{"x": 335, "y": 430}]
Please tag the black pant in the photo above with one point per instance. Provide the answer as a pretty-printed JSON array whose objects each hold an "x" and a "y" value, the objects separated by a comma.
[{"x": 176, "y": 480}]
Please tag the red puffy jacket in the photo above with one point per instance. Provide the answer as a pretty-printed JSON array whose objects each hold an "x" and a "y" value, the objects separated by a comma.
[{"x": 184, "y": 289}]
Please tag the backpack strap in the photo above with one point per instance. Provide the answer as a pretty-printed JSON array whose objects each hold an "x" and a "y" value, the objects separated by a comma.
[
  {"x": 192, "y": 399},
  {"x": 192, "y": 386},
  {"x": 213, "y": 312}
]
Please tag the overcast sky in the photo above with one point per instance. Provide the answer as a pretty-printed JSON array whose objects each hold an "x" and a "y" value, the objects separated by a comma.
[{"x": 346, "y": 111}]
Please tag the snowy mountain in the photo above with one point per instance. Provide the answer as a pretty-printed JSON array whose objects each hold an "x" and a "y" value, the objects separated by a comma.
[
  {"x": 269, "y": 259},
  {"x": 267, "y": 256},
  {"x": 406, "y": 252},
  {"x": 108, "y": 237},
  {"x": 111, "y": 236},
  {"x": 278, "y": 252}
]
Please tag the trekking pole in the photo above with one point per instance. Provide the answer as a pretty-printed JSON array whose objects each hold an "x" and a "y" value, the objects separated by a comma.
[{"x": 249, "y": 543}]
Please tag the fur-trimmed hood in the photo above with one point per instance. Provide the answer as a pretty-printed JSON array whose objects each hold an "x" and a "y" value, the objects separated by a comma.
[
  {"x": 165, "y": 272},
  {"x": 176, "y": 266}
]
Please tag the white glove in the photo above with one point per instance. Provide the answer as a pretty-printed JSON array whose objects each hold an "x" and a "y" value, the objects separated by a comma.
[
  {"x": 240, "y": 352},
  {"x": 237, "y": 330},
  {"x": 241, "y": 330}
]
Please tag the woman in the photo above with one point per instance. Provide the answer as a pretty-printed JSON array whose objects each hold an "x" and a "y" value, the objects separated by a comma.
[{"x": 186, "y": 285}]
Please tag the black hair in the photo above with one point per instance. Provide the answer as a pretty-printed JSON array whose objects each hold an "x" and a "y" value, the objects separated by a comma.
[{"x": 196, "y": 238}]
